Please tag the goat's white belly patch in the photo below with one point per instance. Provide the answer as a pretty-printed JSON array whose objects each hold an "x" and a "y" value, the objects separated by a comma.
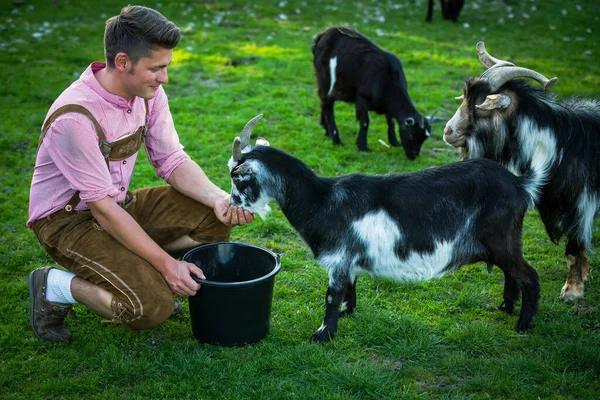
[{"x": 381, "y": 235}]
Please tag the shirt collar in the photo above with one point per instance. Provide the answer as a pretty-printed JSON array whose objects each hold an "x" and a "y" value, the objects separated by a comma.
[{"x": 89, "y": 78}]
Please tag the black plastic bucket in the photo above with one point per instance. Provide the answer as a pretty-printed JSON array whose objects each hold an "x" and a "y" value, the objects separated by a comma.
[{"x": 233, "y": 307}]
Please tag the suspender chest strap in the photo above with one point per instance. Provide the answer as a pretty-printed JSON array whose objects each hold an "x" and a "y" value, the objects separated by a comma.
[{"x": 111, "y": 151}]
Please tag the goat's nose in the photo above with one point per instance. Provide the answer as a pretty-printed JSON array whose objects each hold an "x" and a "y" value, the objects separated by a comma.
[{"x": 447, "y": 130}]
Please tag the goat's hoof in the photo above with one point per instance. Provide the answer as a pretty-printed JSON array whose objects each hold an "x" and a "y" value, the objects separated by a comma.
[
  {"x": 523, "y": 326},
  {"x": 570, "y": 294},
  {"x": 318, "y": 338},
  {"x": 346, "y": 313},
  {"x": 507, "y": 309},
  {"x": 322, "y": 336},
  {"x": 364, "y": 149}
]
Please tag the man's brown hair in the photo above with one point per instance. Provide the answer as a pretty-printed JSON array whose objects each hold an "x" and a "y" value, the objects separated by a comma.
[{"x": 136, "y": 31}]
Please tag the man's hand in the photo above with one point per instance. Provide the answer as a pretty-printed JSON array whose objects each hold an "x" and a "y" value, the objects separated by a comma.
[
  {"x": 178, "y": 277},
  {"x": 232, "y": 215}
]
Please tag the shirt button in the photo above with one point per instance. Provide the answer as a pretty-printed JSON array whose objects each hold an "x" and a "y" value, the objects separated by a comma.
[
  {"x": 122, "y": 189},
  {"x": 129, "y": 111},
  {"x": 124, "y": 161}
]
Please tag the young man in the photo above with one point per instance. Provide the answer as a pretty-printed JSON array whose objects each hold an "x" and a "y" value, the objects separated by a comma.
[{"x": 119, "y": 246}]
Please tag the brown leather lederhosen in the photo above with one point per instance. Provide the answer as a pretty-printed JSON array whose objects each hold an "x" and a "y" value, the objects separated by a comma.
[{"x": 117, "y": 150}]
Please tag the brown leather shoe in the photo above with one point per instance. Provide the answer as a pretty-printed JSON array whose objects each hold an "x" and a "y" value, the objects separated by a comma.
[{"x": 47, "y": 318}]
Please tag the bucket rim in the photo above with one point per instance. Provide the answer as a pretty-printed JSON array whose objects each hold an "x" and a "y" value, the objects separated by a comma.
[{"x": 251, "y": 282}]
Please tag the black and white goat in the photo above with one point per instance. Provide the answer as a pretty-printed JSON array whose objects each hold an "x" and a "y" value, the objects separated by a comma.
[
  {"x": 504, "y": 119},
  {"x": 450, "y": 9},
  {"x": 351, "y": 68},
  {"x": 414, "y": 226}
]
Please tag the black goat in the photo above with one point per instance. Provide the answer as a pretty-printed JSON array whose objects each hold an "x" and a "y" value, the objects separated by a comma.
[
  {"x": 450, "y": 9},
  {"x": 351, "y": 68},
  {"x": 503, "y": 119},
  {"x": 413, "y": 226}
]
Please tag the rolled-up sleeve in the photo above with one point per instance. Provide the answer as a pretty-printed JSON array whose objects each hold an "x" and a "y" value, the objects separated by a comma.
[
  {"x": 73, "y": 146},
  {"x": 165, "y": 151}
]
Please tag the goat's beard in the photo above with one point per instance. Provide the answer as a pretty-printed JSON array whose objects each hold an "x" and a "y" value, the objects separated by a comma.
[
  {"x": 259, "y": 207},
  {"x": 263, "y": 211}
]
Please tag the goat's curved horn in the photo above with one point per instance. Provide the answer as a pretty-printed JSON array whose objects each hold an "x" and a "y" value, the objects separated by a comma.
[
  {"x": 487, "y": 60},
  {"x": 245, "y": 135},
  {"x": 499, "y": 76},
  {"x": 499, "y": 71},
  {"x": 237, "y": 149},
  {"x": 433, "y": 120}
]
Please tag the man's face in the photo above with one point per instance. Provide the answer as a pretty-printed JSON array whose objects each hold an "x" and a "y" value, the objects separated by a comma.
[{"x": 146, "y": 76}]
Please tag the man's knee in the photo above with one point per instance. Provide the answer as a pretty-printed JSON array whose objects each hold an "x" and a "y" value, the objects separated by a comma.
[
  {"x": 210, "y": 231},
  {"x": 147, "y": 314}
]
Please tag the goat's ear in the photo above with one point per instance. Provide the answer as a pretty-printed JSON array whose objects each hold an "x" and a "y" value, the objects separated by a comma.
[
  {"x": 494, "y": 101},
  {"x": 242, "y": 169},
  {"x": 262, "y": 142},
  {"x": 410, "y": 121}
]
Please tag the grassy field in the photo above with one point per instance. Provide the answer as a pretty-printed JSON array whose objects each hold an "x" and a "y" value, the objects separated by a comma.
[{"x": 438, "y": 339}]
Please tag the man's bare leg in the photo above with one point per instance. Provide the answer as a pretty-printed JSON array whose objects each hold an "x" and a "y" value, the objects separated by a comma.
[
  {"x": 181, "y": 245},
  {"x": 93, "y": 297}
]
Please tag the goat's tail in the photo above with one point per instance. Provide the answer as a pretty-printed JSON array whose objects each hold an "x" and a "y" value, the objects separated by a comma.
[
  {"x": 313, "y": 48},
  {"x": 539, "y": 171}
]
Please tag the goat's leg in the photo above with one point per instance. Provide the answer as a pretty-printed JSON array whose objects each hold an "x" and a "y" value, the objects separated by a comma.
[
  {"x": 511, "y": 294},
  {"x": 517, "y": 272},
  {"x": 392, "y": 134},
  {"x": 332, "y": 306},
  {"x": 349, "y": 299},
  {"x": 528, "y": 281},
  {"x": 323, "y": 120},
  {"x": 577, "y": 262},
  {"x": 445, "y": 10},
  {"x": 328, "y": 121},
  {"x": 362, "y": 115},
  {"x": 504, "y": 248},
  {"x": 429, "y": 11}
]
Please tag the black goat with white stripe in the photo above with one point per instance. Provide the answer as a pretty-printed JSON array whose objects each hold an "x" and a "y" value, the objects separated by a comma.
[
  {"x": 504, "y": 119},
  {"x": 414, "y": 226},
  {"x": 351, "y": 68}
]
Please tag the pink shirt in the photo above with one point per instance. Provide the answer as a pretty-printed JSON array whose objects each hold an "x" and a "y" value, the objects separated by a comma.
[{"x": 69, "y": 158}]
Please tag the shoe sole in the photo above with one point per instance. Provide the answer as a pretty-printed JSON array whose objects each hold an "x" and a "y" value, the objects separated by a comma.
[{"x": 32, "y": 314}]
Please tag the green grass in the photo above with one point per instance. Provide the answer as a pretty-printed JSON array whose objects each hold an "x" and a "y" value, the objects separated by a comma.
[{"x": 438, "y": 339}]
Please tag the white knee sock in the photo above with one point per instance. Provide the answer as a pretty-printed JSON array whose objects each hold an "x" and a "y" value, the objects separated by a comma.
[{"x": 58, "y": 288}]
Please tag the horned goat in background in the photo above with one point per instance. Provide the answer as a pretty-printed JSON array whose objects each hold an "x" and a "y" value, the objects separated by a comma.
[
  {"x": 503, "y": 119},
  {"x": 351, "y": 68},
  {"x": 413, "y": 226}
]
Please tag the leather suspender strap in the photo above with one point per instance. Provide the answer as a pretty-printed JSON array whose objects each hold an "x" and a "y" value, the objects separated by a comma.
[
  {"x": 77, "y": 109},
  {"x": 103, "y": 144}
]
